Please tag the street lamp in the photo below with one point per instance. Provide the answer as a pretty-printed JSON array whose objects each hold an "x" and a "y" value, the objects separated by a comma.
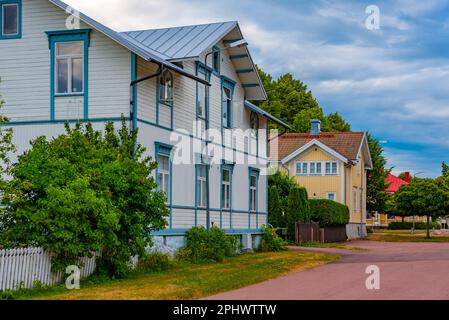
[{"x": 236, "y": 44}]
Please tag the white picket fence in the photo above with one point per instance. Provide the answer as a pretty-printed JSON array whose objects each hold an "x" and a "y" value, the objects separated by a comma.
[{"x": 21, "y": 267}]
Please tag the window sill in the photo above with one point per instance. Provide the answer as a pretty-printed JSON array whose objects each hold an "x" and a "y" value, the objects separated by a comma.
[
  {"x": 3, "y": 37},
  {"x": 57, "y": 95},
  {"x": 166, "y": 103}
]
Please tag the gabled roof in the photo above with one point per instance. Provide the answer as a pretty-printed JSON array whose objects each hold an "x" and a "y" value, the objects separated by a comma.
[
  {"x": 394, "y": 183},
  {"x": 346, "y": 144},
  {"x": 191, "y": 42},
  {"x": 141, "y": 51},
  {"x": 265, "y": 114}
]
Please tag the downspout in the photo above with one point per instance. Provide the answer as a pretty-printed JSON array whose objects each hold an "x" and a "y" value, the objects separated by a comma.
[
  {"x": 133, "y": 92},
  {"x": 133, "y": 86}
]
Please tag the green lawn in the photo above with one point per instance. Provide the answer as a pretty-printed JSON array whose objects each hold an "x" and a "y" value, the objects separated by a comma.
[
  {"x": 334, "y": 245},
  {"x": 405, "y": 236},
  {"x": 188, "y": 281}
]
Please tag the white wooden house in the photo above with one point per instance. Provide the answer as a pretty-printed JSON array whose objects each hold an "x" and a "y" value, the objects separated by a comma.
[{"x": 162, "y": 81}]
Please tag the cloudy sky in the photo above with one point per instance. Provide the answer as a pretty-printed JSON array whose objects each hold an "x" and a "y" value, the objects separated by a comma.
[{"x": 393, "y": 82}]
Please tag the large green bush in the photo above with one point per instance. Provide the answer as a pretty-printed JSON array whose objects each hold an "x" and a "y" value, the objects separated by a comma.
[
  {"x": 409, "y": 225},
  {"x": 298, "y": 209},
  {"x": 275, "y": 211},
  {"x": 84, "y": 192},
  {"x": 328, "y": 212},
  {"x": 271, "y": 242},
  {"x": 211, "y": 245}
]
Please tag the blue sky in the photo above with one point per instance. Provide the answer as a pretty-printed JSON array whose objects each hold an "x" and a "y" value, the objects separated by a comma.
[{"x": 393, "y": 82}]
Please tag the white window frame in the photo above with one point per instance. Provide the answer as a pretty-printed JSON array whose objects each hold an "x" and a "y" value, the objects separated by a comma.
[
  {"x": 226, "y": 190},
  {"x": 69, "y": 58},
  {"x": 227, "y": 122},
  {"x": 309, "y": 164},
  {"x": 166, "y": 80},
  {"x": 165, "y": 175},
  {"x": 201, "y": 186},
  {"x": 3, "y": 19},
  {"x": 203, "y": 89},
  {"x": 253, "y": 194},
  {"x": 331, "y": 193}
]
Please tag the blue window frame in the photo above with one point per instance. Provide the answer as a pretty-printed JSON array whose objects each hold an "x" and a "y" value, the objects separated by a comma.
[
  {"x": 227, "y": 94},
  {"x": 216, "y": 60},
  {"x": 202, "y": 93},
  {"x": 10, "y": 19},
  {"x": 69, "y": 66},
  {"x": 253, "y": 189}
]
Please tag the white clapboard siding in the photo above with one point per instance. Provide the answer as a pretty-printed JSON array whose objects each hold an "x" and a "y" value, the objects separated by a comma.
[{"x": 21, "y": 267}]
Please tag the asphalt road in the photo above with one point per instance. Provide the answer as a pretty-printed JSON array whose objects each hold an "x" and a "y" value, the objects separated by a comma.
[{"x": 407, "y": 271}]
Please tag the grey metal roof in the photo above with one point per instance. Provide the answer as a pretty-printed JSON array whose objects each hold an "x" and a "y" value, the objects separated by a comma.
[
  {"x": 265, "y": 114},
  {"x": 190, "y": 42},
  {"x": 182, "y": 42},
  {"x": 142, "y": 51}
]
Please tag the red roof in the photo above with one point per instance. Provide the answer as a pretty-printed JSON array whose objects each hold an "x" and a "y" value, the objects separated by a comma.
[{"x": 394, "y": 183}]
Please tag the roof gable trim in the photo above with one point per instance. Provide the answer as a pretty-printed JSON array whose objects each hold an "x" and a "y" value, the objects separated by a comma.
[{"x": 319, "y": 144}]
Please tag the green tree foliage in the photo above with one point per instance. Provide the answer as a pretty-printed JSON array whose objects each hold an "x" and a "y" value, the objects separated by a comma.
[
  {"x": 298, "y": 209},
  {"x": 422, "y": 197},
  {"x": 84, "y": 192},
  {"x": 275, "y": 213},
  {"x": 328, "y": 213},
  {"x": 291, "y": 101},
  {"x": 204, "y": 245},
  {"x": 283, "y": 185},
  {"x": 445, "y": 169},
  {"x": 7, "y": 148},
  {"x": 271, "y": 242},
  {"x": 376, "y": 196}
]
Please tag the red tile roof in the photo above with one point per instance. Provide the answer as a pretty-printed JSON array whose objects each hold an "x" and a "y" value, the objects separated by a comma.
[
  {"x": 394, "y": 183},
  {"x": 345, "y": 143}
]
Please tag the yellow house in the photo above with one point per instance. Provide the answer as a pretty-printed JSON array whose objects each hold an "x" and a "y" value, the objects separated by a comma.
[{"x": 330, "y": 165}]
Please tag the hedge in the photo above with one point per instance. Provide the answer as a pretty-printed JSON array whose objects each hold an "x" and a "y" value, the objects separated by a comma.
[
  {"x": 409, "y": 225},
  {"x": 328, "y": 212}
]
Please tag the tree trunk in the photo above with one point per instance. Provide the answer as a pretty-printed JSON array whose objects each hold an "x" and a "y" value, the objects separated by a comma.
[
  {"x": 428, "y": 228},
  {"x": 403, "y": 219}
]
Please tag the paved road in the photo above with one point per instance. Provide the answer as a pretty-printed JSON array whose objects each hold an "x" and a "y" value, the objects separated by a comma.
[{"x": 407, "y": 271}]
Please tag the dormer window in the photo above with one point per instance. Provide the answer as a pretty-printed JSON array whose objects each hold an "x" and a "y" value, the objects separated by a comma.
[
  {"x": 10, "y": 19},
  {"x": 166, "y": 88}
]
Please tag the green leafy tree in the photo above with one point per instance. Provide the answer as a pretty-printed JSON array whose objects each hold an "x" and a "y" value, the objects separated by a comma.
[
  {"x": 7, "y": 148},
  {"x": 284, "y": 185},
  {"x": 275, "y": 214},
  {"x": 291, "y": 101},
  {"x": 336, "y": 123},
  {"x": 422, "y": 197},
  {"x": 84, "y": 192},
  {"x": 445, "y": 169},
  {"x": 376, "y": 196},
  {"x": 298, "y": 209}
]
